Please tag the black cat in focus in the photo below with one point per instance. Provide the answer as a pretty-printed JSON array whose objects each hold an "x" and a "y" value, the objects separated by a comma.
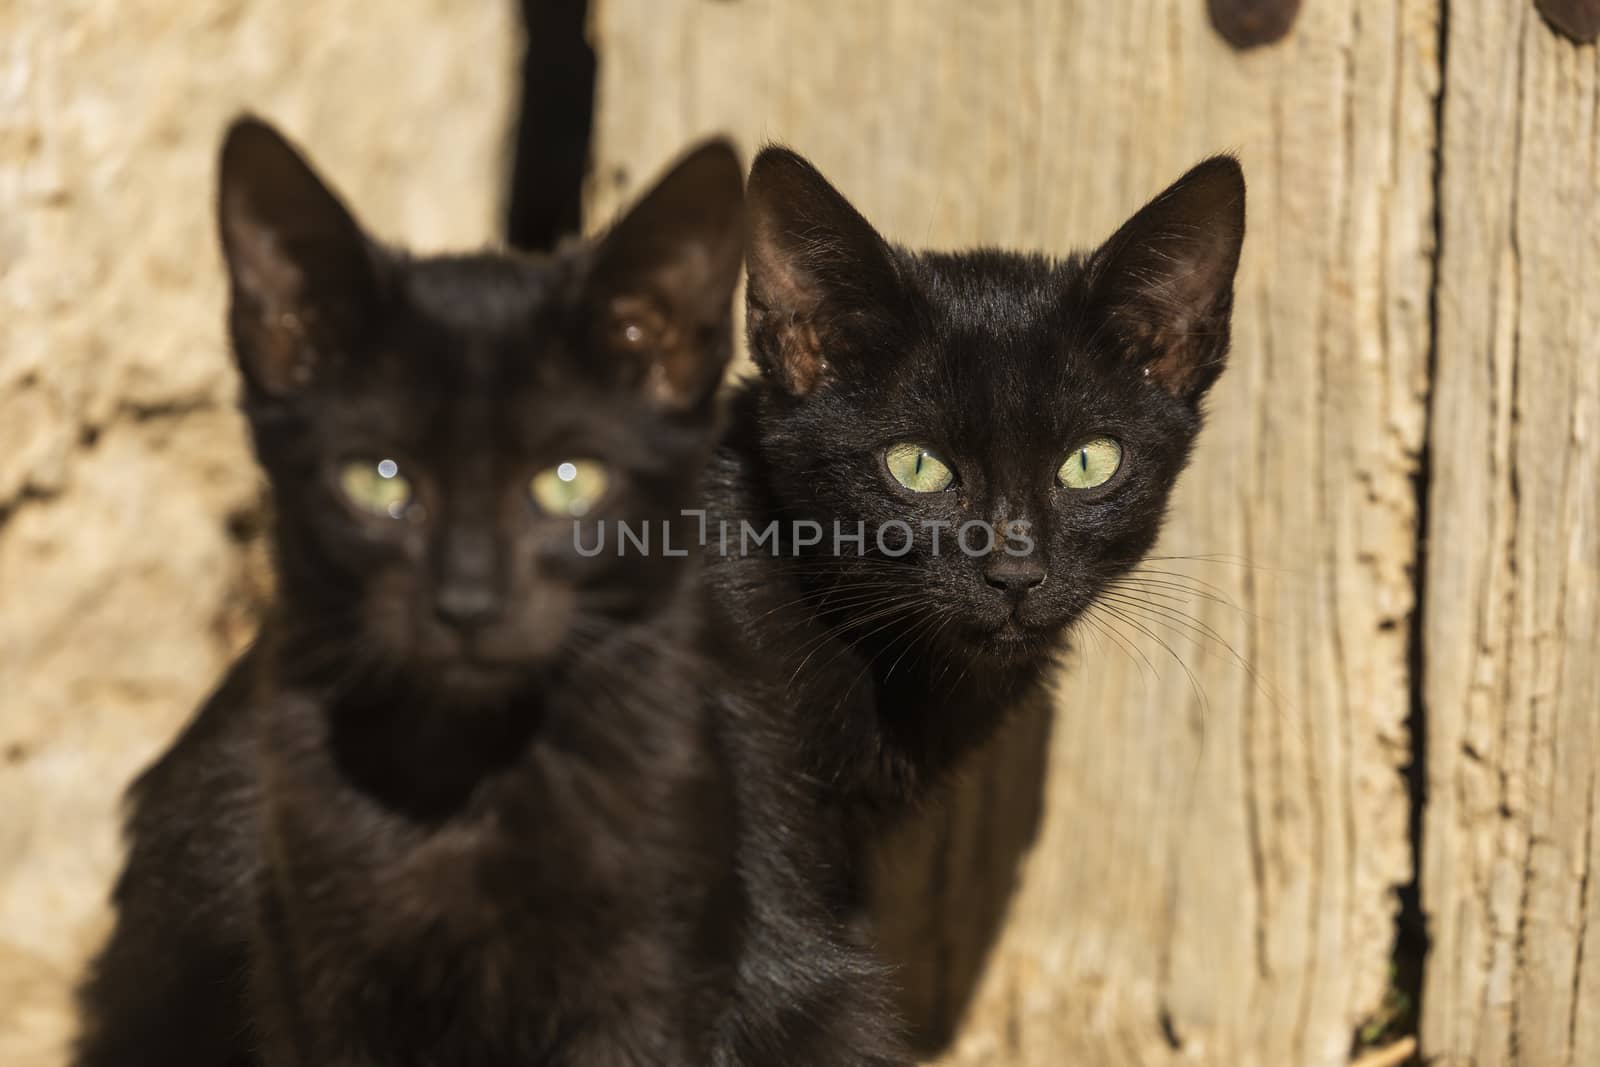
[
  {"x": 469, "y": 799},
  {"x": 916, "y": 392}
]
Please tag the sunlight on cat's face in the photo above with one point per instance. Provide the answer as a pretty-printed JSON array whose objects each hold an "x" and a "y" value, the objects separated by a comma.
[
  {"x": 475, "y": 629},
  {"x": 1022, "y": 479},
  {"x": 436, "y": 495},
  {"x": 434, "y": 506},
  {"x": 1057, "y": 516},
  {"x": 464, "y": 572},
  {"x": 440, "y": 484},
  {"x": 943, "y": 391},
  {"x": 433, "y": 427}
]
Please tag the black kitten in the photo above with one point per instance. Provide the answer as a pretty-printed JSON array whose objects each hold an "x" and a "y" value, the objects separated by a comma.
[
  {"x": 464, "y": 801},
  {"x": 984, "y": 442},
  {"x": 478, "y": 796}
]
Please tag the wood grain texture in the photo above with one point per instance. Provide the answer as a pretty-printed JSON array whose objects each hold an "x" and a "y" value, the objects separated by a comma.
[
  {"x": 1512, "y": 680},
  {"x": 1212, "y": 876}
]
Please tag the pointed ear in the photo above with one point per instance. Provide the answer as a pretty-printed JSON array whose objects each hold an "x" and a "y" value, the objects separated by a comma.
[
  {"x": 818, "y": 273},
  {"x": 303, "y": 276},
  {"x": 1165, "y": 279},
  {"x": 663, "y": 278}
]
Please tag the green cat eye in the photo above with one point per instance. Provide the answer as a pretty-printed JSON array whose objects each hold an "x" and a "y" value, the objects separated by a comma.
[
  {"x": 569, "y": 488},
  {"x": 376, "y": 486},
  {"x": 1091, "y": 464},
  {"x": 918, "y": 469}
]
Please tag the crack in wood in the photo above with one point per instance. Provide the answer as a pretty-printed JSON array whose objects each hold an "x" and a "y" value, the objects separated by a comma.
[
  {"x": 1521, "y": 816},
  {"x": 1412, "y": 941},
  {"x": 1251, "y": 776},
  {"x": 1583, "y": 924}
]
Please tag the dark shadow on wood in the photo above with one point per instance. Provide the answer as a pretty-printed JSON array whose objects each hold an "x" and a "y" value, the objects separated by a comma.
[
  {"x": 554, "y": 125},
  {"x": 941, "y": 887}
]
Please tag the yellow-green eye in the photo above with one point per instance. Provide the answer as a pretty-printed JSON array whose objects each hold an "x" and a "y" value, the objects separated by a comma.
[
  {"x": 1091, "y": 464},
  {"x": 569, "y": 488},
  {"x": 918, "y": 469},
  {"x": 376, "y": 486}
]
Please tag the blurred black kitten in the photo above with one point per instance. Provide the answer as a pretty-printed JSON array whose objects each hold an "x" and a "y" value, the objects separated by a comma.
[
  {"x": 471, "y": 797},
  {"x": 985, "y": 440}
]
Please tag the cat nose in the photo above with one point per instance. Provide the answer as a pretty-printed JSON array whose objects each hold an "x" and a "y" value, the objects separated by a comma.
[
  {"x": 466, "y": 595},
  {"x": 1015, "y": 575},
  {"x": 466, "y": 605}
]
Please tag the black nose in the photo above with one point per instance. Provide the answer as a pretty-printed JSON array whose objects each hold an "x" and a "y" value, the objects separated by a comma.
[
  {"x": 465, "y": 594},
  {"x": 1014, "y": 575},
  {"x": 466, "y": 606}
]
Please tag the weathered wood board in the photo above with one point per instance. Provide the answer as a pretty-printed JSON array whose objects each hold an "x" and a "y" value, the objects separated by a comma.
[{"x": 1511, "y": 661}]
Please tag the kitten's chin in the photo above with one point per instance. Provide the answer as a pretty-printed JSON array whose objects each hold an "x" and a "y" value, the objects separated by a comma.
[
  {"x": 1011, "y": 639},
  {"x": 473, "y": 682},
  {"x": 478, "y": 669}
]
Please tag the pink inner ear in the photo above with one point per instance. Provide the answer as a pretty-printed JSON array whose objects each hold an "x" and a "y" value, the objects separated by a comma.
[
  {"x": 789, "y": 345},
  {"x": 275, "y": 323},
  {"x": 1178, "y": 337},
  {"x": 260, "y": 266},
  {"x": 800, "y": 356},
  {"x": 780, "y": 284},
  {"x": 667, "y": 358},
  {"x": 280, "y": 355},
  {"x": 1178, "y": 367},
  {"x": 1170, "y": 308},
  {"x": 783, "y": 305}
]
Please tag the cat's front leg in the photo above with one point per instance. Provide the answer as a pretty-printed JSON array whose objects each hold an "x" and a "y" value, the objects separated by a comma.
[{"x": 281, "y": 1030}]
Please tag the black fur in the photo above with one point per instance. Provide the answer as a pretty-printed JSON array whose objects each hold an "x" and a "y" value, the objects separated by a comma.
[
  {"x": 999, "y": 363},
  {"x": 475, "y": 798}
]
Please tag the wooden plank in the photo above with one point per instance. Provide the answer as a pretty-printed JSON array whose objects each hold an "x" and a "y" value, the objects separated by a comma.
[
  {"x": 1512, "y": 682},
  {"x": 1211, "y": 880}
]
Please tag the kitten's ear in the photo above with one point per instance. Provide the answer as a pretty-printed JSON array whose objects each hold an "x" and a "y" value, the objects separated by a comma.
[
  {"x": 1165, "y": 279},
  {"x": 303, "y": 275},
  {"x": 663, "y": 278},
  {"x": 818, "y": 270}
]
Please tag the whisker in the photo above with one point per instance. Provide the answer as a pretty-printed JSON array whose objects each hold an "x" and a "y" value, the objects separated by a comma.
[{"x": 1194, "y": 682}]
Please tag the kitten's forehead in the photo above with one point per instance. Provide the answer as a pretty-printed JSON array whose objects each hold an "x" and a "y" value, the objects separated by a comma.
[
  {"x": 489, "y": 321},
  {"x": 1000, "y": 323},
  {"x": 1005, "y": 359},
  {"x": 478, "y": 359},
  {"x": 483, "y": 295},
  {"x": 998, "y": 291}
]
